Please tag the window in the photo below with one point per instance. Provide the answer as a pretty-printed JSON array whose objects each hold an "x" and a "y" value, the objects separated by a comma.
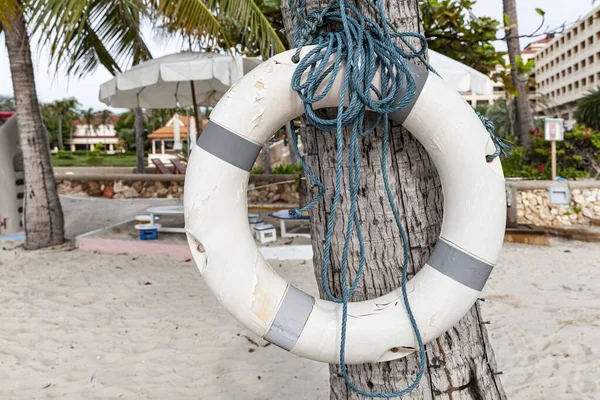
[
  {"x": 582, "y": 26},
  {"x": 570, "y": 70},
  {"x": 575, "y": 49},
  {"x": 582, "y": 45},
  {"x": 583, "y": 82},
  {"x": 582, "y": 64},
  {"x": 577, "y": 85},
  {"x": 562, "y": 40},
  {"x": 590, "y": 21},
  {"x": 590, "y": 40},
  {"x": 591, "y": 78},
  {"x": 562, "y": 57},
  {"x": 590, "y": 60},
  {"x": 575, "y": 30},
  {"x": 552, "y": 79},
  {"x": 569, "y": 53},
  {"x": 570, "y": 87},
  {"x": 569, "y": 36},
  {"x": 564, "y": 90},
  {"x": 576, "y": 67},
  {"x": 563, "y": 73}
]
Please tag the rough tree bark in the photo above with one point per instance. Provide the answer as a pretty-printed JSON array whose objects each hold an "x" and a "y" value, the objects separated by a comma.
[
  {"x": 43, "y": 216},
  {"x": 140, "y": 163},
  {"x": 288, "y": 135},
  {"x": 266, "y": 157},
  {"x": 60, "y": 137},
  {"x": 460, "y": 364},
  {"x": 524, "y": 119}
]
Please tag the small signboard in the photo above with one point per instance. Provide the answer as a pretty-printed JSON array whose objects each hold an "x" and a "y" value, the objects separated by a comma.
[{"x": 554, "y": 129}]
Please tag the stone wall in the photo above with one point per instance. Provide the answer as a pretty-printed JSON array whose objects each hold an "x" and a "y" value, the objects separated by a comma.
[
  {"x": 122, "y": 189},
  {"x": 261, "y": 188},
  {"x": 533, "y": 206}
]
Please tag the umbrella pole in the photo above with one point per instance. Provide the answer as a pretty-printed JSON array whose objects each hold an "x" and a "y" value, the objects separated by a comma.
[{"x": 198, "y": 127}]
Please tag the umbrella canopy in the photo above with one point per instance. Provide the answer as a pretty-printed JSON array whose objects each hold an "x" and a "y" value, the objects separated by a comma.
[
  {"x": 165, "y": 82},
  {"x": 462, "y": 77}
]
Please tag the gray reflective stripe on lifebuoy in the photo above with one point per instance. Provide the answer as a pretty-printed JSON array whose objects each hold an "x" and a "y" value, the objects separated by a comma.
[
  {"x": 460, "y": 266},
  {"x": 420, "y": 75},
  {"x": 228, "y": 146},
  {"x": 291, "y": 318}
]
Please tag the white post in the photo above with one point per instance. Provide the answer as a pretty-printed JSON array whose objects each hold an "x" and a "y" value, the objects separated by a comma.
[
  {"x": 553, "y": 131},
  {"x": 154, "y": 146},
  {"x": 177, "y": 132},
  {"x": 553, "y": 144},
  {"x": 162, "y": 147}
]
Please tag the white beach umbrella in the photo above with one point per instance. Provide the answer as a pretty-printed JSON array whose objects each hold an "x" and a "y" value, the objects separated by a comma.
[
  {"x": 176, "y": 80},
  {"x": 462, "y": 77}
]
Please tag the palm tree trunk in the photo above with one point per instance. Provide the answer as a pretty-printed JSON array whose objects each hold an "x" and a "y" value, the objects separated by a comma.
[
  {"x": 288, "y": 135},
  {"x": 60, "y": 136},
  {"x": 139, "y": 141},
  {"x": 524, "y": 120},
  {"x": 460, "y": 364},
  {"x": 43, "y": 216},
  {"x": 266, "y": 157}
]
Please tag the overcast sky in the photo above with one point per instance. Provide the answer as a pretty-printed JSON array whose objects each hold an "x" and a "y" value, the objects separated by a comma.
[{"x": 51, "y": 86}]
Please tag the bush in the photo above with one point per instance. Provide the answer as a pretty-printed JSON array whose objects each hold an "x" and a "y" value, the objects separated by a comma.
[
  {"x": 64, "y": 155},
  {"x": 578, "y": 156},
  {"x": 99, "y": 147},
  {"x": 287, "y": 169},
  {"x": 257, "y": 171}
]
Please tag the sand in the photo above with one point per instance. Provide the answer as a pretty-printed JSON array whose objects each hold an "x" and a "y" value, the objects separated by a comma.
[{"x": 77, "y": 325}]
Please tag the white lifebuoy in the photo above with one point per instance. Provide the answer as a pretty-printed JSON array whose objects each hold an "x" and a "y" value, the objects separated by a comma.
[
  {"x": 440, "y": 294},
  {"x": 11, "y": 179}
]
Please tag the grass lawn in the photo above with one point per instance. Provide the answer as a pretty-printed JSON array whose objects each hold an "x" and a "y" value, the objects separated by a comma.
[{"x": 82, "y": 160}]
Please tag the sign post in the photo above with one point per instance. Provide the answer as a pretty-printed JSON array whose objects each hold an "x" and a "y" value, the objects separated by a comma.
[{"x": 553, "y": 131}]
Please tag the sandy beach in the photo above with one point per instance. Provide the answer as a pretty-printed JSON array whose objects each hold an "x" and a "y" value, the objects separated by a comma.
[{"x": 78, "y": 325}]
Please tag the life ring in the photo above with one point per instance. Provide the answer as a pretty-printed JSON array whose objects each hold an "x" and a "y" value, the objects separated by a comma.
[{"x": 440, "y": 294}]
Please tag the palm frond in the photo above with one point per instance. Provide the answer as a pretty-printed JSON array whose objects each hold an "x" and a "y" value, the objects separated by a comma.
[
  {"x": 8, "y": 9},
  {"x": 86, "y": 34},
  {"x": 248, "y": 14},
  {"x": 192, "y": 18}
]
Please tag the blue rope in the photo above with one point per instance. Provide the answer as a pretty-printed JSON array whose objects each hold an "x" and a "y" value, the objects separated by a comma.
[{"x": 364, "y": 45}]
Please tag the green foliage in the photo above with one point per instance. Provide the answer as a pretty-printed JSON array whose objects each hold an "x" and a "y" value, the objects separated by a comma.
[
  {"x": 578, "y": 156},
  {"x": 99, "y": 147},
  {"x": 64, "y": 155},
  {"x": 80, "y": 159},
  {"x": 588, "y": 109},
  {"x": 257, "y": 171},
  {"x": 7, "y": 103},
  {"x": 127, "y": 135},
  {"x": 58, "y": 116},
  {"x": 453, "y": 30},
  {"x": 287, "y": 169}
]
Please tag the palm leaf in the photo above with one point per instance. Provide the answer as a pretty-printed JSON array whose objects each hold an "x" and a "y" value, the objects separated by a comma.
[
  {"x": 192, "y": 18},
  {"x": 87, "y": 34},
  {"x": 248, "y": 14}
]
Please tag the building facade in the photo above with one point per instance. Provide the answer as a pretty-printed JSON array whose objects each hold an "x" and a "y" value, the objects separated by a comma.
[
  {"x": 569, "y": 66},
  {"x": 86, "y": 136}
]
